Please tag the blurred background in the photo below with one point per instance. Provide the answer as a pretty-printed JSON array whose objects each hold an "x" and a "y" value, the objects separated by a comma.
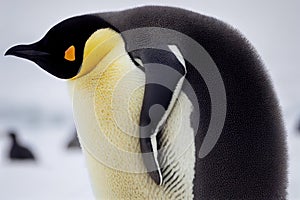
[{"x": 37, "y": 107}]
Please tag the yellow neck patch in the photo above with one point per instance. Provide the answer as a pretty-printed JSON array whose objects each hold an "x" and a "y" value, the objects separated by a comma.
[
  {"x": 70, "y": 53},
  {"x": 96, "y": 48}
]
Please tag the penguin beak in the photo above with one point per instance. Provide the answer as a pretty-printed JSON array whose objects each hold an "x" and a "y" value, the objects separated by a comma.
[
  {"x": 33, "y": 53},
  {"x": 47, "y": 61},
  {"x": 26, "y": 51}
]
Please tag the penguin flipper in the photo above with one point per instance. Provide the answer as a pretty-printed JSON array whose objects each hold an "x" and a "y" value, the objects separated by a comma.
[{"x": 165, "y": 71}]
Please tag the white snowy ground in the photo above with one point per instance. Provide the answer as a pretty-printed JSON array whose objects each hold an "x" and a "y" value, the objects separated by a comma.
[{"x": 57, "y": 174}]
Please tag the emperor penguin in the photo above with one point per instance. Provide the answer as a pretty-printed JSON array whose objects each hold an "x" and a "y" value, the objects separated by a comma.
[
  {"x": 168, "y": 104},
  {"x": 17, "y": 151}
]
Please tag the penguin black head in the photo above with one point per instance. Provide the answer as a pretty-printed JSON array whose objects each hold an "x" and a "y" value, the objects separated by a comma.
[{"x": 60, "y": 51}]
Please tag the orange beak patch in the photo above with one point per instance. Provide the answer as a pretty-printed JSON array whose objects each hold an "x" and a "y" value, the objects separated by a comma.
[{"x": 70, "y": 53}]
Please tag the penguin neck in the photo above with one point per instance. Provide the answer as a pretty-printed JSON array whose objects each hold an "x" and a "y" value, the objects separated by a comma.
[
  {"x": 14, "y": 141},
  {"x": 97, "y": 47},
  {"x": 104, "y": 48}
]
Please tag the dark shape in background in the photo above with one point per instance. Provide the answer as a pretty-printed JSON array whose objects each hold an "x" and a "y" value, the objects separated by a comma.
[
  {"x": 17, "y": 151},
  {"x": 74, "y": 142}
]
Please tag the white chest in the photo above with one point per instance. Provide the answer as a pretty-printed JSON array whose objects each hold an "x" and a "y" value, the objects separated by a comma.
[{"x": 106, "y": 109}]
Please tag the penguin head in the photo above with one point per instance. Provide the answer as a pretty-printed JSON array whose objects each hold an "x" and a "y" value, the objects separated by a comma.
[
  {"x": 61, "y": 51},
  {"x": 12, "y": 135}
]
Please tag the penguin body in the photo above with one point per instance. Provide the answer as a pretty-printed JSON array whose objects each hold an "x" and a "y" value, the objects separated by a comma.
[
  {"x": 17, "y": 151},
  {"x": 137, "y": 149}
]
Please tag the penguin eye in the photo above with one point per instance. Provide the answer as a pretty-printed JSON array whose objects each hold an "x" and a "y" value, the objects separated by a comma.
[{"x": 70, "y": 53}]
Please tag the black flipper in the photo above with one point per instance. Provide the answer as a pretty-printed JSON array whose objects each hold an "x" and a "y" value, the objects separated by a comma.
[{"x": 165, "y": 71}]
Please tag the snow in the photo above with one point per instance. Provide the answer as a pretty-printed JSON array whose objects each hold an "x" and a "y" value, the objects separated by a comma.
[{"x": 58, "y": 173}]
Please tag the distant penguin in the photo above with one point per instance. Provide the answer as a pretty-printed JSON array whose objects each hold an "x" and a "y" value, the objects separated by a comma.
[
  {"x": 17, "y": 151},
  {"x": 134, "y": 76},
  {"x": 74, "y": 142},
  {"x": 298, "y": 126}
]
